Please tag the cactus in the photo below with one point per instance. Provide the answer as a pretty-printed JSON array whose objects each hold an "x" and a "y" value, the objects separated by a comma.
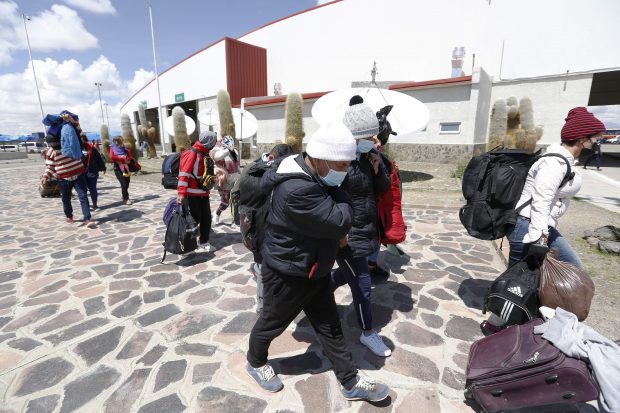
[
  {"x": 512, "y": 125},
  {"x": 227, "y": 123},
  {"x": 105, "y": 142},
  {"x": 181, "y": 140},
  {"x": 128, "y": 139},
  {"x": 294, "y": 130},
  {"x": 143, "y": 126},
  {"x": 151, "y": 135}
]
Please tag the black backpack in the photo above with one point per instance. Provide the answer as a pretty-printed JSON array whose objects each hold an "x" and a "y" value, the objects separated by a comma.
[
  {"x": 492, "y": 185},
  {"x": 207, "y": 181},
  {"x": 170, "y": 171},
  {"x": 253, "y": 206},
  {"x": 181, "y": 233},
  {"x": 513, "y": 296}
]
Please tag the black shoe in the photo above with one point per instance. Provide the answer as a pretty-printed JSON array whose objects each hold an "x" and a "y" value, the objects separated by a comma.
[{"x": 378, "y": 272}]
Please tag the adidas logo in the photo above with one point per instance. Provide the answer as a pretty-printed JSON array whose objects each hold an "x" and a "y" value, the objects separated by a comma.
[{"x": 516, "y": 291}]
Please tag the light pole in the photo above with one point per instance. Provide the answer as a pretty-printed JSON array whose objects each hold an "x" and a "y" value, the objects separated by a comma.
[
  {"x": 100, "y": 102},
  {"x": 24, "y": 17},
  {"x": 162, "y": 134},
  {"x": 107, "y": 116}
]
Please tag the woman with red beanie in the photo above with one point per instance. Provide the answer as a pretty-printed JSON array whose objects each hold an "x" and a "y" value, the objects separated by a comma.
[{"x": 538, "y": 220}]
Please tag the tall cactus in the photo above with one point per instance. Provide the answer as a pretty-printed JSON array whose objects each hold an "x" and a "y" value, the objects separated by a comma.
[
  {"x": 224, "y": 108},
  {"x": 512, "y": 125},
  {"x": 105, "y": 142},
  {"x": 151, "y": 135},
  {"x": 294, "y": 114},
  {"x": 181, "y": 139},
  {"x": 128, "y": 139},
  {"x": 143, "y": 126}
]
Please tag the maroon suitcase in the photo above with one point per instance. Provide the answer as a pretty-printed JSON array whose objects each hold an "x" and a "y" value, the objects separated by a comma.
[{"x": 516, "y": 368}]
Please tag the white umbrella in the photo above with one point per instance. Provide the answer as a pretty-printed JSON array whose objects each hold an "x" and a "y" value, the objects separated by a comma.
[
  {"x": 246, "y": 124},
  {"x": 189, "y": 124},
  {"x": 408, "y": 114}
]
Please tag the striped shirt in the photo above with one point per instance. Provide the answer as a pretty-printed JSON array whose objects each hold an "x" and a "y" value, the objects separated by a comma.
[{"x": 60, "y": 166}]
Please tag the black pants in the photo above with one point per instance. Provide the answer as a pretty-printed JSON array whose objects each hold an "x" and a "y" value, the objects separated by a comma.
[
  {"x": 594, "y": 157},
  {"x": 124, "y": 181},
  {"x": 200, "y": 210},
  {"x": 284, "y": 297}
]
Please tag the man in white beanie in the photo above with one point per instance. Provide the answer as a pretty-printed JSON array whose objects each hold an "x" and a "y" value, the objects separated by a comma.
[{"x": 308, "y": 221}]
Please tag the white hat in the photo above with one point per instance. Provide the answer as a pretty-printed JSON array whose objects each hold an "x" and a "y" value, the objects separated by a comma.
[
  {"x": 361, "y": 121},
  {"x": 332, "y": 142}
]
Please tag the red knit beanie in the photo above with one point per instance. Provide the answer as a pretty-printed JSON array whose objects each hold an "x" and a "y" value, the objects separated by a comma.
[{"x": 579, "y": 124}]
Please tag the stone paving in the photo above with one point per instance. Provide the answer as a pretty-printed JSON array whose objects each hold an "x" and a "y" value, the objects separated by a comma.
[{"x": 90, "y": 321}]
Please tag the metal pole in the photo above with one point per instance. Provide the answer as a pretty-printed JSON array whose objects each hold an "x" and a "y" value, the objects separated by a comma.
[
  {"x": 107, "y": 116},
  {"x": 24, "y": 17},
  {"x": 501, "y": 61},
  {"x": 100, "y": 101},
  {"x": 161, "y": 117}
]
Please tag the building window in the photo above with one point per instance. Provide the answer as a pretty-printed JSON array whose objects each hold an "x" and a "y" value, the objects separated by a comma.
[{"x": 450, "y": 127}]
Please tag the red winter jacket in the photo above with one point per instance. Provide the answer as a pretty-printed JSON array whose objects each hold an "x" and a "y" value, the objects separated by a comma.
[
  {"x": 115, "y": 158},
  {"x": 191, "y": 166}
]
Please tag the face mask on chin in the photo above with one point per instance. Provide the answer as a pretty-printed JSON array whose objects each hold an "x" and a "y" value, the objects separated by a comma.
[
  {"x": 333, "y": 178},
  {"x": 364, "y": 146}
]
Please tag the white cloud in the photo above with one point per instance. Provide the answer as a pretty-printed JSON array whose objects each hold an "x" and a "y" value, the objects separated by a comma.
[
  {"x": 93, "y": 6},
  {"x": 319, "y": 2},
  {"x": 59, "y": 28},
  {"x": 65, "y": 85},
  {"x": 609, "y": 115}
]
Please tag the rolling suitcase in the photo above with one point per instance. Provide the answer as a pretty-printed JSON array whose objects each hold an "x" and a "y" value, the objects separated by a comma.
[
  {"x": 556, "y": 408},
  {"x": 515, "y": 368}
]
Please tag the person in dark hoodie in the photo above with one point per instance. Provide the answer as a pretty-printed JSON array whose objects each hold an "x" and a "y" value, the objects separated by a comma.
[
  {"x": 367, "y": 176},
  {"x": 308, "y": 221},
  {"x": 192, "y": 165},
  {"x": 94, "y": 163}
]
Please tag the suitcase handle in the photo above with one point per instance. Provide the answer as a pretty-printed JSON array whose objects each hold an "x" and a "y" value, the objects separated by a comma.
[
  {"x": 497, "y": 392},
  {"x": 551, "y": 379},
  {"x": 569, "y": 395}
]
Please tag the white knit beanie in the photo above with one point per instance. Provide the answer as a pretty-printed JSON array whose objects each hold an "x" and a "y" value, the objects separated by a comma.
[
  {"x": 361, "y": 121},
  {"x": 332, "y": 142}
]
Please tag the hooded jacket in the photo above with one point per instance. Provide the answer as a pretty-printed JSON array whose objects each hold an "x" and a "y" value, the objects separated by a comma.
[
  {"x": 363, "y": 186},
  {"x": 191, "y": 166},
  {"x": 305, "y": 222}
]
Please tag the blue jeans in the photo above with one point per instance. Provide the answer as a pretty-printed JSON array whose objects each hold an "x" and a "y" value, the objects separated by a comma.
[
  {"x": 65, "y": 193},
  {"x": 91, "y": 183},
  {"x": 354, "y": 271},
  {"x": 518, "y": 250}
]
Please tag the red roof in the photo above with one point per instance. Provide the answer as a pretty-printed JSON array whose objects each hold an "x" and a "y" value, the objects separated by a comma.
[{"x": 436, "y": 82}]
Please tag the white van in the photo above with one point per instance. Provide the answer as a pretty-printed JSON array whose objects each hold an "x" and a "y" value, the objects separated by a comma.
[
  {"x": 32, "y": 146},
  {"x": 8, "y": 148}
]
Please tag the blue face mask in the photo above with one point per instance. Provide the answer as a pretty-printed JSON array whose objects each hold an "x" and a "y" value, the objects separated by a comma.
[
  {"x": 364, "y": 146},
  {"x": 333, "y": 178}
]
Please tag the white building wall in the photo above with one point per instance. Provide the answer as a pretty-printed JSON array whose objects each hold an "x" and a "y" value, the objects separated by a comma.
[
  {"x": 198, "y": 77},
  {"x": 552, "y": 98}
]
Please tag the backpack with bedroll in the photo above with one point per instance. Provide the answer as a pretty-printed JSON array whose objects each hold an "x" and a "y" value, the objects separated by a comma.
[{"x": 170, "y": 171}]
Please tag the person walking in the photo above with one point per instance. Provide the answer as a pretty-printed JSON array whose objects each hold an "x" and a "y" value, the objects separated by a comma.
[
  {"x": 191, "y": 166},
  {"x": 122, "y": 158},
  {"x": 367, "y": 176},
  {"x": 548, "y": 200},
  {"x": 308, "y": 220},
  {"x": 70, "y": 174},
  {"x": 596, "y": 156},
  {"x": 226, "y": 159},
  {"x": 94, "y": 163}
]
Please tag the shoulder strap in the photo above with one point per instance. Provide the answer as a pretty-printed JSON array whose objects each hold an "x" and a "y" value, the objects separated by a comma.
[{"x": 568, "y": 176}]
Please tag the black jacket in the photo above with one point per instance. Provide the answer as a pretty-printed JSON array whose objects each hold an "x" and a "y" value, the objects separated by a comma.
[
  {"x": 93, "y": 161},
  {"x": 305, "y": 222},
  {"x": 362, "y": 186}
]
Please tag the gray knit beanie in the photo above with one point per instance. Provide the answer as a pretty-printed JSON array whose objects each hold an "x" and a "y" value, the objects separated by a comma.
[
  {"x": 361, "y": 121},
  {"x": 208, "y": 139}
]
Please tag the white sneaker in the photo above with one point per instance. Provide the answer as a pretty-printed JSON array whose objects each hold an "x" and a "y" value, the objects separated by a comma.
[
  {"x": 217, "y": 219},
  {"x": 375, "y": 344},
  {"x": 206, "y": 247}
]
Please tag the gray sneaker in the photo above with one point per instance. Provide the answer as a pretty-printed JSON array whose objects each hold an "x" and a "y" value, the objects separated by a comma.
[
  {"x": 265, "y": 377},
  {"x": 366, "y": 389}
]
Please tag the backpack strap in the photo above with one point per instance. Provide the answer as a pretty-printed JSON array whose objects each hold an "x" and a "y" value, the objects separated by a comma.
[{"x": 568, "y": 176}]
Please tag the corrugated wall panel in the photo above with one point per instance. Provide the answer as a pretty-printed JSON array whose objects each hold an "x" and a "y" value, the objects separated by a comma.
[{"x": 246, "y": 70}]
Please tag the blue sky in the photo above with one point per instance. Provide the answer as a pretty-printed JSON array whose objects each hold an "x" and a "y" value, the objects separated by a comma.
[{"x": 78, "y": 42}]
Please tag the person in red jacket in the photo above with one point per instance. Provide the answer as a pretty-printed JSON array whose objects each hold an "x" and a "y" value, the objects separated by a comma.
[
  {"x": 121, "y": 159},
  {"x": 191, "y": 166}
]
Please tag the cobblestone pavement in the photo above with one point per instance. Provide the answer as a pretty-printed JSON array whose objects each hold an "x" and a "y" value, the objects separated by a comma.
[{"x": 90, "y": 320}]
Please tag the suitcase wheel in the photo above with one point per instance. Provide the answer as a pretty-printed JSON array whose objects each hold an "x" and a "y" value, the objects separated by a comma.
[{"x": 468, "y": 394}]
